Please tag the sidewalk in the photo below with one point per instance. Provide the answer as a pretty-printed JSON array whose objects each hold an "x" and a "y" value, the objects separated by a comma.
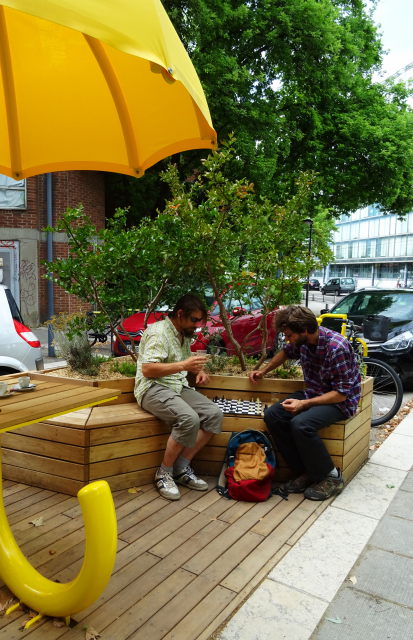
[{"x": 351, "y": 574}]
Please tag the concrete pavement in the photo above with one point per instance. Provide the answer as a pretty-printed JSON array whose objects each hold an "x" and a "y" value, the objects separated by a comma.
[{"x": 350, "y": 576}]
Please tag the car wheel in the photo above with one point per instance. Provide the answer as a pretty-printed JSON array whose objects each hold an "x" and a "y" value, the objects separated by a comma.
[
  {"x": 4, "y": 371},
  {"x": 323, "y": 291},
  {"x": 337, "y": 292}
]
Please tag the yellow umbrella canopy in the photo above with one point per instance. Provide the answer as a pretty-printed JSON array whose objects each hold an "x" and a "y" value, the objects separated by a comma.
[{"x": 95, "y": 84}]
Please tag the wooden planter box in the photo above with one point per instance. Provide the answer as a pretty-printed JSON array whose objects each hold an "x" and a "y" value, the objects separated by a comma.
[
  {"x": 123, "y": 444},
  {"x": 346, "y": 441}
]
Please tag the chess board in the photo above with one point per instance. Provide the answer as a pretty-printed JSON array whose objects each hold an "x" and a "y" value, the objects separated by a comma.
[{"x": 240, "y": 407}]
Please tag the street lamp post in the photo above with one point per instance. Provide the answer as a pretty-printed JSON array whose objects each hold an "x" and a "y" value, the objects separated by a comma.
[{"x": 309, "y": 222}]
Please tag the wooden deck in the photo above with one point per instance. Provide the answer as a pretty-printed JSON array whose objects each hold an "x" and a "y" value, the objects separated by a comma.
[{"x": 182, "y": 567}]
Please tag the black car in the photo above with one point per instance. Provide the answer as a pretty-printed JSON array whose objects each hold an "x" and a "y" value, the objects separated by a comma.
[
  {"x": 313, "y": 284},
  {"x": 386, "y": 318}
]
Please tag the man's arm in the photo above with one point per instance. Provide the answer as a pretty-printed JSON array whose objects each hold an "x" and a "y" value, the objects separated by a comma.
[
  {"x": 276, "y": 361},
  {"x": 293, "y": 405},
  {"x": 161, "y": 369}
]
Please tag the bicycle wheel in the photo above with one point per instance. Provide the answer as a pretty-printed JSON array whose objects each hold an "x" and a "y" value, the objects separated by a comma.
[{"x": 387, "y": 391}]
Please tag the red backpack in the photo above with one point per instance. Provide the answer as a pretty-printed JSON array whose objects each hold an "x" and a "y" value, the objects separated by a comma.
[{"x": 248, "y": 468}]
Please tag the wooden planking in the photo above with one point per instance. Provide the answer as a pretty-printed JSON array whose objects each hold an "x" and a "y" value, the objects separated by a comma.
[
  {"x": 50, "y": 466},
  {"x": 127, "y": 447},
  {"x": 20, "y": 474},
  {"x": 238, "y": 383},
  {"x": 61, "y": 433},
  {"x": 105, "y": 435},
  {"x": 42, "y": 447},
  {"x": 125, "y": 465},
  {"x": 176, "y": 573}
]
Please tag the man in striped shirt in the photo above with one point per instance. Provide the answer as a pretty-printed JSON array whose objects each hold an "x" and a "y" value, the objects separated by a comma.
[
  {"x": 162, "y": 388},
  {"x": 332, "y": 393}
]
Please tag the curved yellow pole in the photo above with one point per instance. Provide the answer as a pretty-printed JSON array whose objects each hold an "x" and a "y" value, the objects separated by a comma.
[{"x": 52, "y": 598}]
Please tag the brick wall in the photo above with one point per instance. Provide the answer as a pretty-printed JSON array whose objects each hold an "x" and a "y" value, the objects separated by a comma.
[{"x": 69, "y": 188}]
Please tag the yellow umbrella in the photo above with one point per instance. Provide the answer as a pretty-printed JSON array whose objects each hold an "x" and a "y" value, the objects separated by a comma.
[{"x": 95, "y": 84}]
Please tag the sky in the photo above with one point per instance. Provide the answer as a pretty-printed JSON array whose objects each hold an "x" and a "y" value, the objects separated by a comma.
[{"x": 395, "y": 18}]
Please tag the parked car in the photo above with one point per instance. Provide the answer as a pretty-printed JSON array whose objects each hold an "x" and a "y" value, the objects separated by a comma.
[
  {"x": 389, "y": 340},
  {"x": 132, "y": 328},
  {"x": 313, "y": 284},
  {"x": 244, "y": 317},
  {"x": 20, "y": 349},
  {"x": 338, "y": 286}
]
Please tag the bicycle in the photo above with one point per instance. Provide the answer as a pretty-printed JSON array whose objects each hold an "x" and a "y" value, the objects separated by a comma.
[
  {"x": 387, "y": 386},
  {"x": 94, "y": 335}
]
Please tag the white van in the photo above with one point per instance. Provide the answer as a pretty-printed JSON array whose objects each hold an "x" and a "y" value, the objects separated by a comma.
[{"x": 20, "y": 349}]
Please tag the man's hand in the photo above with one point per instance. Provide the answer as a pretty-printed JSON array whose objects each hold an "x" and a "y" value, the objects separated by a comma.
[
  {"x": 292, "y": 405},
  {"x": 202, "y": 378},
  {"x": 256, "y": 375},
  {"x": 194, "y": 364}
]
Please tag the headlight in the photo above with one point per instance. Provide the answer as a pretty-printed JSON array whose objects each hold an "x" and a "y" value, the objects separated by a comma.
[{"x": 402, "y": 342}]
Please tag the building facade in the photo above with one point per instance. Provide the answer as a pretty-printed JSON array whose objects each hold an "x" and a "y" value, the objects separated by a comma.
[
  {"x": 374, "y": 248},
  {"x": 23, "y": 216}
]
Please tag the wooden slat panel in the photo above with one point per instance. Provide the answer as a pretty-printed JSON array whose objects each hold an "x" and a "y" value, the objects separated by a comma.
[
  {"x": 242, "y": 383},
  {"x": 127, "y": 448},
  {"x": 124, "y": 414},
  {"x": 62, "y": 433},
  {"x": 125, "y": 465},
  {"x": 344, "y": 461},
  {"x": 49, "y": 466},
  {"x": 74, "y": 419},
  {"x": 105, "y": 435},
  {"x": 42, "y": 447},
  {"x": 20, "y": 474}
]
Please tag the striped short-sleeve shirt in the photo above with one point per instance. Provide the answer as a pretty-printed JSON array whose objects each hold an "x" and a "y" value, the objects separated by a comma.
[{"x": 161, "y": 342}]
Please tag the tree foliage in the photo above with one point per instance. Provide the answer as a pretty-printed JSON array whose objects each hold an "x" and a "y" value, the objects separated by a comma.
[
  {"x": 213, "y": 232},
  {"x": 293, "y": 80}
]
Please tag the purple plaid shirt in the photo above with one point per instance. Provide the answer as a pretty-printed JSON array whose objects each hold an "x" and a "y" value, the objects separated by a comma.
[{"x": 330, "y": 365}]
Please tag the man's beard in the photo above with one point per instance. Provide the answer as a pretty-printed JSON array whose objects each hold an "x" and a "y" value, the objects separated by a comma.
[{"x": 188, "y": 333}]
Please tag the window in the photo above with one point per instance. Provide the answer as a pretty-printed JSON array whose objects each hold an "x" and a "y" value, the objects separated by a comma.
[{"x": 12, "y": 193}]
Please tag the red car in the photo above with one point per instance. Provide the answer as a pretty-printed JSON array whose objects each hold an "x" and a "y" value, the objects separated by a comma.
[{"x": 244, "y": 317}]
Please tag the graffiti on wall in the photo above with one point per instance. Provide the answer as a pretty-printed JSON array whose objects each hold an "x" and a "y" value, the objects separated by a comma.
[{"x": 28, "y": 285}]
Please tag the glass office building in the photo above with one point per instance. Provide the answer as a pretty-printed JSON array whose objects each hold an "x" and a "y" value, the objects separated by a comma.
[{"x": 374, "y": 248}]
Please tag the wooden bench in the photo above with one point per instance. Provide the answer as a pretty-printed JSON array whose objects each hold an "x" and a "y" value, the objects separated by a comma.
[{"x": 123, "y": 444}]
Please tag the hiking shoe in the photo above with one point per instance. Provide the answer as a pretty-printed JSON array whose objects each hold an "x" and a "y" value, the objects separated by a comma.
[
  {"x": 326, "y": 488},
  {"x": 166, "y": 486},
  {"x": 298, "y": 485},
  {"x": 188, "y": 479}
]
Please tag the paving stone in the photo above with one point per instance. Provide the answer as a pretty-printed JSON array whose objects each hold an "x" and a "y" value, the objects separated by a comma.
[
  {"x": 408, "y": 483},
  {"x": 364, "y": 616},
  {"x": 402, "y": 505},
  {"x": 395, "y": 452},
  {"x": 274, "y": 611},
  {"x": 386, "y": 575},
  {"x": 394, "y": 534}
]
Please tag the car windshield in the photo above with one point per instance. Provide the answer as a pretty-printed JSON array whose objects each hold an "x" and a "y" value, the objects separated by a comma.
[{"x": 396, "y": 305}]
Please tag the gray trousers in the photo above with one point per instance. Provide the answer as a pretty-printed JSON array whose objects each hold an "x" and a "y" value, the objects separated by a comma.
[{"x": 184, "y": 412}]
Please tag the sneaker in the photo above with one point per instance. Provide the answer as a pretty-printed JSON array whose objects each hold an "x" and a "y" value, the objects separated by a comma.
[
  {"x": 326, "y": 488},
  {"x": 298, "y": 485},
  {"x": 188, "y": 479},
  {"x": 166, "y": 486}
]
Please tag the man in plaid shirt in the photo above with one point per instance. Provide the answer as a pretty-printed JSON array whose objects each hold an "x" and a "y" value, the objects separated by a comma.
[{"x": 332, "y": 392}]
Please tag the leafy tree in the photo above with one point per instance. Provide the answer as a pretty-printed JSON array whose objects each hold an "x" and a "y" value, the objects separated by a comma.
[
  {"x": 214, "y": 231},
  {"x": 293, "y": 80}
]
